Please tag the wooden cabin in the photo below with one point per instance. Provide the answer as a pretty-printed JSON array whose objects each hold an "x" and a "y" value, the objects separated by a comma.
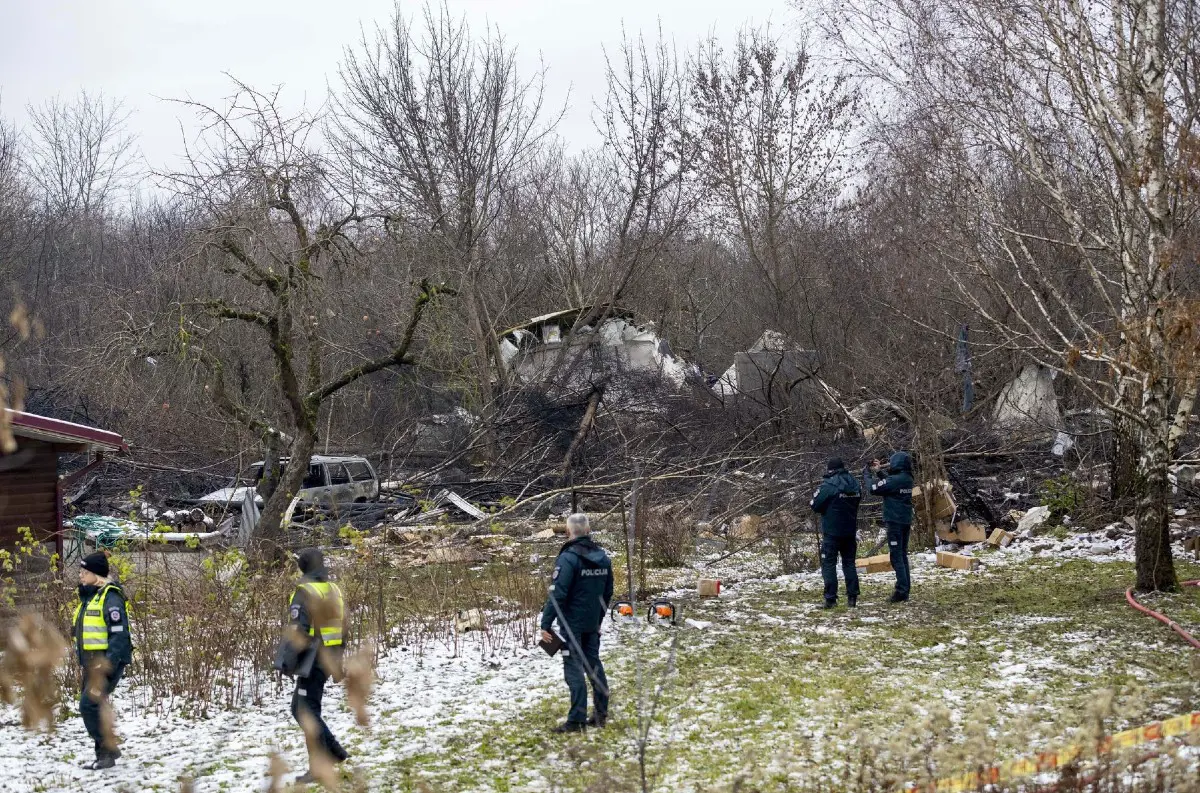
[{"x": 31, "y": 491}]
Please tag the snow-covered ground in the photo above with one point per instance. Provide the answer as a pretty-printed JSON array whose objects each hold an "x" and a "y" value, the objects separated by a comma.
[
  {"x": 767, "y": 682},
  {"x": 420, "y": 704}
]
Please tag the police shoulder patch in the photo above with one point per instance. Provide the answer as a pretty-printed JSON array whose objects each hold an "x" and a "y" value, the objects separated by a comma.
[
  {"x": 114, "y": 615},
  {"x": 295, "y": 612},
  {"x": 556, "y": 571}
]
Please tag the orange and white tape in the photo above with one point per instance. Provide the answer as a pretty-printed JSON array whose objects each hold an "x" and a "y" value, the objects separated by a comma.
[{"x": 1049, "y": 761}]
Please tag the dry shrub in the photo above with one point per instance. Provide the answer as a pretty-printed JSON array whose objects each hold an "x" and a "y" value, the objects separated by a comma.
[
  {"x": 277, "y": 769},
  {"x": 96, "y": 684},
  {"x": 36, "y": 650},
  {"x": 795, "y": 546},
  {"x": 206, "y": 629},
  {"x": 360, "y": 680},
  {"x": 320, "y": 763},
  {"x": 670, "y": 535}
]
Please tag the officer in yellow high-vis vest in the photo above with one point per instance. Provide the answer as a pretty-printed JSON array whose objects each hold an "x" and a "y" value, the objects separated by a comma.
[
  {"x": 101, "y": 630},
  {"x": 317, "y": 614}
]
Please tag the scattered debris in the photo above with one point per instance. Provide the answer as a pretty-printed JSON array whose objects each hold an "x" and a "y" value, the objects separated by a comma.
[
  {"x": 469, "y": 620},
  {"x": 964, "y": 532},
  {"x": 934, "y": 501},
  {"x": 459, "y": 503},
  {"x": 1029, "y": 401},
  {"x": 776, "y": 372},
  {"x": 534, "y": 351},
  {"x": 1063, "y": 443},
  {"x": 455, "y": 556},
  {"x": 956, "y": 561},
  {"x": 1032, "y": 520},
  {"x": 1001, "y": 538},
  {"x": 709, "y": 587},
  {"x": 746, "y": 528},
  {"x": 875, "y": 416},
  {"x": 874, "y": 564}
]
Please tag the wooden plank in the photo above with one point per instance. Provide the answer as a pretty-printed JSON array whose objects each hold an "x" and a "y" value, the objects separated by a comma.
[{"x": 25, "y": 501}]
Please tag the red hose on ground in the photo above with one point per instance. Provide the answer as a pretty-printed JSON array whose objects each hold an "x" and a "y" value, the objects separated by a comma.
[{"x": 1189, "y": 638}]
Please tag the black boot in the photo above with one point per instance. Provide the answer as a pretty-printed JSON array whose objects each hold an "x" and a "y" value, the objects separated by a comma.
[
  {"x": 830, "y": 604},
  {"x": 103, "y": 760},
  {"x": 853, "y": 602},
  {"x": 570, "y": 726},
  {"x": 306, "y": 778},
  {"x": 597, "y": 721},
  {"x": 898, "y": 598},
  {"x": 337, "y": 752}
]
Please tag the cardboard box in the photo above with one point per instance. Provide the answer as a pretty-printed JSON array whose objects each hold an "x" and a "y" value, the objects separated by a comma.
[
  {"x": 874, "y": 564},
  {"x": 965, "y": 531},
  {"x": 956, "y": 561},
  {"x": 1001, "y": 538},
  {"x": 709, "y": 587},
  {"x": 971, "y": 531},
  {"x": 941, "y": 499}
]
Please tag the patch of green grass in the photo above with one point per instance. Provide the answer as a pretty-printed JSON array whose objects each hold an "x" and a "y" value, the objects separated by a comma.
[{"x": 1028, "y": 644}]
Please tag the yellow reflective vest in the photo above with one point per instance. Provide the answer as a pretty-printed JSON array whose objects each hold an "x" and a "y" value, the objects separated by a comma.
[
  {"x": 95, "y": 629},
  {"x": 331, "y": 629}
]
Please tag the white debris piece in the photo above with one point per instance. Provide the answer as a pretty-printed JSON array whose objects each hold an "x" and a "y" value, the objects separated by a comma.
[
  {"x": 1032, "y": 519},
  {"x": 1063, "y": 443},
  {"x": 1029, "y": 401}
]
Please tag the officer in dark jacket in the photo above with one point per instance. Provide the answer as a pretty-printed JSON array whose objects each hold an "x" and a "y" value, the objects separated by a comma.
[
  {"x": 896, "y": 487},
  {"x": 313, "y": 653},
  {"x": 580, "y": 593},
  {"x": 836, "y": 501},
  {"x": 103, "y": 644}
]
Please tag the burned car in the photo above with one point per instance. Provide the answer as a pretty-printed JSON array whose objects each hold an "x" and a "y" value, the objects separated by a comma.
[{"x": 330, "y": 480}]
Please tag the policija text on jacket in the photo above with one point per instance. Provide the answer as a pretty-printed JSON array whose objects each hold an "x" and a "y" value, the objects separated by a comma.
[{"x": 581, "y": 589}]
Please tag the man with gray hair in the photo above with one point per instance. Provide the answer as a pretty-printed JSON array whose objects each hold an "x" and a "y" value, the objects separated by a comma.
[{"x": 580, "y": 591}]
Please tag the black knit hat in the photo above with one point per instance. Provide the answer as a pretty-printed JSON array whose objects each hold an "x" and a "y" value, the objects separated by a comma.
[
  {"x": 310, "y": 561},
  {"x": 834, "y": 465},
  {"x": 96, "y": 563}
]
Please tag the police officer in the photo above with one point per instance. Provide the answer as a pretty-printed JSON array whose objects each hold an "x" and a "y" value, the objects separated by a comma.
[
  {"x": 896, "y": 487},
  {"x": 101, "y": 628},
  {"x": 836, "y": 501},
  {"x": 313, "y": 654},
  {"x": 580, "y": 592}
]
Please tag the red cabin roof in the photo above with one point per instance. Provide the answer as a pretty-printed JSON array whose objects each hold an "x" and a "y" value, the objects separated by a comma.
[{"x": 44, "y": 428}]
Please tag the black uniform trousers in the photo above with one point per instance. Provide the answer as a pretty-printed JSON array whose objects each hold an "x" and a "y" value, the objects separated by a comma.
[
  {"x": 89, "y": 707},
  {"x": 307, "y": 698},
  {"x": 897, "y": 538},
  {"x": 576, "y": 675},
  {"x": 832, "y": 548}
]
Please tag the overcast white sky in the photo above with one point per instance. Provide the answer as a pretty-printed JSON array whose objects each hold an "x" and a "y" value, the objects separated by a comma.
[{"x": 146, "y": 51}]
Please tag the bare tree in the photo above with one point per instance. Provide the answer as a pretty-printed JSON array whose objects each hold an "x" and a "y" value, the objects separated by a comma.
[
  {"x": 444, "y": 133},
  {"x": 14, "y": 200},
  {"x": 275, "y": 237},
  {"x": 1093, "y": 108},
  {"x": 773, "y": 140},
  {"x": 647, "y": 157},
  {"x": 80, "y": 152}
]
